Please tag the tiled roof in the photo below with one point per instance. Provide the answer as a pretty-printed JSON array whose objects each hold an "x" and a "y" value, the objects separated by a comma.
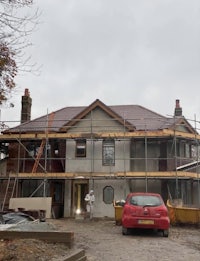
[{"x": 140, "y": 117}]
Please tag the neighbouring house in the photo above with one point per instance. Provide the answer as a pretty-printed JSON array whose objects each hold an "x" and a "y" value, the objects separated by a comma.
[{"x": 113, "y": 150}]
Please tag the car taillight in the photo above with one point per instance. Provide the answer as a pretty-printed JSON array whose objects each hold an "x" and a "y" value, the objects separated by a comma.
[{"x": 163, "y": 212}]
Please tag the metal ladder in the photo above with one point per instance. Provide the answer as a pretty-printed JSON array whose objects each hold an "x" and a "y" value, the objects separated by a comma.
[{"x": 10, "y": 189}]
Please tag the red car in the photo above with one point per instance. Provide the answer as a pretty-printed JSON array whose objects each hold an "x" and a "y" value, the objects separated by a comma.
[{"x": 145, "y": 210}]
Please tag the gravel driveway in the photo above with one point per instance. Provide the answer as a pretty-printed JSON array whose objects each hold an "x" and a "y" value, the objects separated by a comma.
[{"x": 103, "y": 241}]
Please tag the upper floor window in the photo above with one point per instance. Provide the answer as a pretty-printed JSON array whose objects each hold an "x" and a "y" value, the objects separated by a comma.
[
  {"x": 81, "y": 148},
  {"x": 187, "y": 150},
  {"x": 109, "y": 152},
  {"x": 33, "y": 149},
  {"x": 195, "y": 152}
]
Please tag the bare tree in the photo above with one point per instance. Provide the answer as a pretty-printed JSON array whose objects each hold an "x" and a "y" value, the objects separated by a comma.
[
  {"x": 8, "y": 70},
  {"x": 17, "y": 22}
]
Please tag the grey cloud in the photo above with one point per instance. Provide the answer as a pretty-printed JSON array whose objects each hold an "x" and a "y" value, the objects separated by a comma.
[{"x": 140, "y": 52}]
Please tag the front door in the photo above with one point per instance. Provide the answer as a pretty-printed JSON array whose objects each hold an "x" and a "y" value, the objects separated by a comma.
[{"x": 80, "y": 189}]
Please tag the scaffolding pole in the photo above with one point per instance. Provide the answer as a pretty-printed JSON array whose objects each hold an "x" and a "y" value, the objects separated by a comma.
[
  {"x": 197, "y": 166},
  {"x": 175, "y": 158},
  {"x": 146, "y": 161}
]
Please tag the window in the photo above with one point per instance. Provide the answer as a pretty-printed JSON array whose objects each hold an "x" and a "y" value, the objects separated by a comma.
[
  {"x": 195, "y": 152},
  {"x": 81, "y": 148},
  {"x": 187, "y": 150},
  {"x": 145, "y": 201},
  {"x": 33, "y": 149},
  {"x": 108, "y": 152},
  {"x": 108, "y": 195}
]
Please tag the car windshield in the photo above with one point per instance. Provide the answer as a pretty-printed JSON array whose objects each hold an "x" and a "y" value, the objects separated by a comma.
[{"x": 144, "y": 200}]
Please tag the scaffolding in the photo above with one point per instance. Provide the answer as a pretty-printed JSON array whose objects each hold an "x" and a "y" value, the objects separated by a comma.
[{"x": 93, "y": 132}]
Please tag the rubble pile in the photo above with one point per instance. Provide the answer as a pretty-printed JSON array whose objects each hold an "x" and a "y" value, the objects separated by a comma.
[{"x": 30, "y": 249}]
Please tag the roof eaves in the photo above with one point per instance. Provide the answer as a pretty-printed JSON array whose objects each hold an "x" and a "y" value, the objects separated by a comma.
[{"x": 182, "y": 120}]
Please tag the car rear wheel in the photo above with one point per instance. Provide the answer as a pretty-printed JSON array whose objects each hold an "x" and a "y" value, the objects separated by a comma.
[
  {"x": 125, "y": 231},
  {"x": 165, "y": 233}
]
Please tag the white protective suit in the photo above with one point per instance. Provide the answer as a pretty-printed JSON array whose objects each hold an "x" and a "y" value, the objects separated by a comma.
[{"x": 90, "y": 198}]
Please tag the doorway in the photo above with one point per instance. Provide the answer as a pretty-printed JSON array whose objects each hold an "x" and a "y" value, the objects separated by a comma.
[
  {"x": 57, "y": 194},
  {"x": 79, "y": 190}
]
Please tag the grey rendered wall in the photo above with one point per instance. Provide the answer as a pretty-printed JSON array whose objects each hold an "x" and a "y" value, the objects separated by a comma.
[
  {"x": 97, "y": 121},
  {"x": 196, "y": 193},
  {"x": 137, "y": 185},
  {"x": 93, "y": 160},
  {"x": 67, "y": 198},
  {"x": 121, "y": 189}
]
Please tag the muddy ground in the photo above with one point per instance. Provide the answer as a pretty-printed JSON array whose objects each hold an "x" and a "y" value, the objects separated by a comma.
[{"x": 102, "y": 240}]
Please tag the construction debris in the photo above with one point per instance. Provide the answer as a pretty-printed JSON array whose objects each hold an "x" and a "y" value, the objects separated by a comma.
[{"x": 40, "y": 241}]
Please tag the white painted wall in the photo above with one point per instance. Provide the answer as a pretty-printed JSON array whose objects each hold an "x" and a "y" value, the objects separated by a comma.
[{"x": 34, "y": 203}]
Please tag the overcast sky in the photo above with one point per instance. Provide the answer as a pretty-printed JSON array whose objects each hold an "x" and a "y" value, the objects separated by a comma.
[{"x": 144, "y": 52}]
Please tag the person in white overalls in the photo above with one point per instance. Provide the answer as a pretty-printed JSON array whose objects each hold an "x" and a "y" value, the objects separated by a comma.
[{"x": 90, "y": 198}]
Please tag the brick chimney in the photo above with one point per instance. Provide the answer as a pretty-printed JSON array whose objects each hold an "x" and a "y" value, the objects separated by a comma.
[
  {"x": 26, "y": 107},
  {"x": 178, "y": 109}
]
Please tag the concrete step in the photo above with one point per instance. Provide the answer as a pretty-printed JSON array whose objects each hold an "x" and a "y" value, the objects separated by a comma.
[{"x": 76, "y": 255}]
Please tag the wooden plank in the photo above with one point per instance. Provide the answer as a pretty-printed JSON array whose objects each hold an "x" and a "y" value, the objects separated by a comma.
[
  {"x": 50, "y": 236},
  {"x": 159, "y": 174},
  {"x": 136, "y": 134},
  {"x": 83, "y": 175}
]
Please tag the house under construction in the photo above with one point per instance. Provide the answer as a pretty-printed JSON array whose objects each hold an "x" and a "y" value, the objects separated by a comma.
[{"x": 113, "y": 150}]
